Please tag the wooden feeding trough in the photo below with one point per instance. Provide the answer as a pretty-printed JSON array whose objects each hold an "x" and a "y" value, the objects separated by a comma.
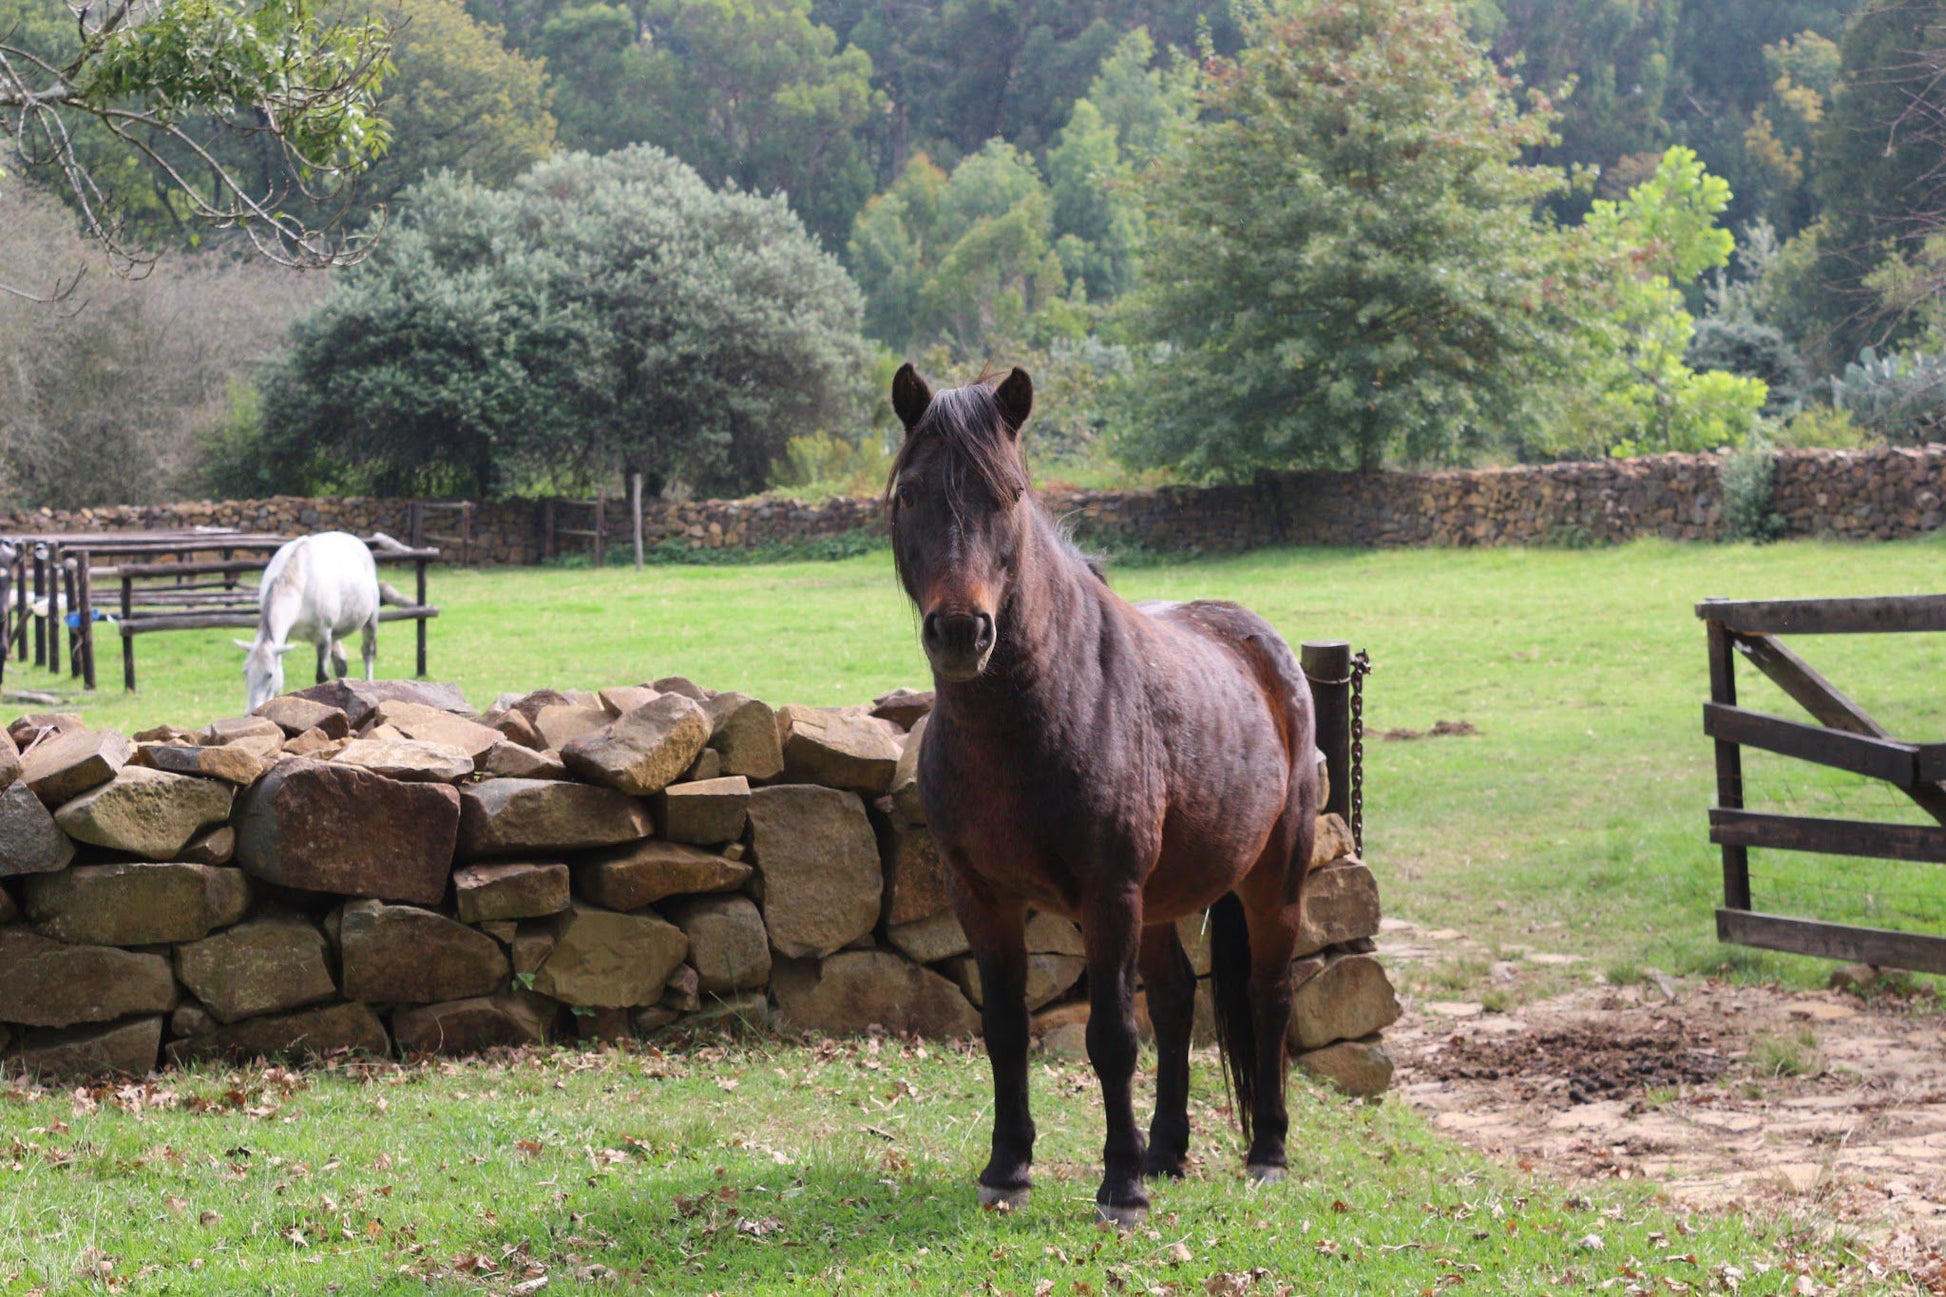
[{"x": 185, "y": 579}]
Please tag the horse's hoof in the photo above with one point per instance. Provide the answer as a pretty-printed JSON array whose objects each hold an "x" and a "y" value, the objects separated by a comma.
[
  {"x": 1163, "y": 1171},
  {"x": 1122, "y": 1218},
  {"x": 1005, "y": 1199},
  {"x": 1265, "y": 1173}
]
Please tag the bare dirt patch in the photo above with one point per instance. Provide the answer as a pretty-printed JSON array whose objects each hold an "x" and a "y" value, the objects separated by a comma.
[{"x": 1817, "y": 1105}]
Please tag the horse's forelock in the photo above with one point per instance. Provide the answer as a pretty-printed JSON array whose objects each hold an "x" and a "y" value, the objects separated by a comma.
[{"x": 967, "y": 422}]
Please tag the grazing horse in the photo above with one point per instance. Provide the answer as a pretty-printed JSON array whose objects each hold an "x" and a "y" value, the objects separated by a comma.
[
  {"x": 1121, "y": 765},
  {"x": 317, "y": 589}
]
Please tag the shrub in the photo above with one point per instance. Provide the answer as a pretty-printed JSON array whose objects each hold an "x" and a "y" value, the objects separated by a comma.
[
  {"x": 1750, "y": 491},
  {"x": 1752, "y": 351},
  {"x": 1900, "y": 396}
]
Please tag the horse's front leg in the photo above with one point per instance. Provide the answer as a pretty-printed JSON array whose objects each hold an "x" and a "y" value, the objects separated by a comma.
[
  {"x": 1111, "y": 928},
  {"x": 996, "y": 928},
  {"x": 1171, "y": 990},
  {"x": 369, "y": 645},
  {"x": 324, "y": 655}
]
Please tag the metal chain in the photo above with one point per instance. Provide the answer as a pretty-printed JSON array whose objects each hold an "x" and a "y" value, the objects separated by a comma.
[{"x": 1361, "y": 666}]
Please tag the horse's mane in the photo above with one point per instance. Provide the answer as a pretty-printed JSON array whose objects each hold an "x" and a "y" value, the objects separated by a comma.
[{"x": 968, "y": 422}]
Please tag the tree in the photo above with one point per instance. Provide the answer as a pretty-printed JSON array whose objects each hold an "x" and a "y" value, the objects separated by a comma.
[
  {"x": 602, "y": 315},
  {"x": 1342, "y": 265},
  {"x": 234, "y": 107},
  {"x": 1097, "y": 216}
]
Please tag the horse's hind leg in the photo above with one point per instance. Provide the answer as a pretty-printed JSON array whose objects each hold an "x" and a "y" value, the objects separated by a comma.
[
  {"x": 324, "y": 655},
  {"x": 1171, "y": 983},
  {"x": 996, "y": 930},
  {"x": 340, "y": 657},
  {"x": 1273, "y": 923},
  {"x": 1111, "y": 930},
  {"x": 369, "y": 645}
]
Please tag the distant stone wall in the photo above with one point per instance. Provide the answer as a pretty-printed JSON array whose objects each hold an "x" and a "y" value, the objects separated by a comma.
[
  {"x": 373, "y": 867},
  {"x": 1878, "y": 494}
]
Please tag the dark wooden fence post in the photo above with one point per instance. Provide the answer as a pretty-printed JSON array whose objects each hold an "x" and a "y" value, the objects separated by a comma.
[
  {"x": 547, "y": 529},
  {"x": 601, "y": 531},
  {"x": 40, "y": 592},
  {"x": 1729, "y": 762},
  {"x": 421, "y": 565},
  {"x": 128, "y": 640},
  {"x": 1327, "y": 663},
  {"x": 415, "y": 523},
  {"x": 85, "y": 611}
]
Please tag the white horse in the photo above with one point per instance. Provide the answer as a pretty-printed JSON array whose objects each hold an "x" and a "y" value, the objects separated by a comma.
[{"x": 317, "y": 590}]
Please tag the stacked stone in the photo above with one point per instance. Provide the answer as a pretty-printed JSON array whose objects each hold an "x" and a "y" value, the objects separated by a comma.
[{"x": 375, "y": 867}]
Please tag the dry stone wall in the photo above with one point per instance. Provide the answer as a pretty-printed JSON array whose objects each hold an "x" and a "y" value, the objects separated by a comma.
[
  {"x": 376, "y": 868},
  {"x": 1878, "y": 494}
]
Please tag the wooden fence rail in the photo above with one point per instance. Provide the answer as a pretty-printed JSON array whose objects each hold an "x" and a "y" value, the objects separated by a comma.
[{"x": 1845, "y": 738}]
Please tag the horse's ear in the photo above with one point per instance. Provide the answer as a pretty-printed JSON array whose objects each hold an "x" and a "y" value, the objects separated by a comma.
[
  {"x": 282, "y": 649},
  {"x": 1016, "y": 397},
  {"x": 244, "y": 644},
  {"x": 910, "y": 396}
]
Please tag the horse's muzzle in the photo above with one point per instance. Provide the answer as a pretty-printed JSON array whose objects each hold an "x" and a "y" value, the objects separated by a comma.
[{"x": 958, "y": 643}]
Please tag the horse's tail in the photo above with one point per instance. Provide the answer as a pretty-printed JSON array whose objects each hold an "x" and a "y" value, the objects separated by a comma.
[{"x": 1236, "y": 1027}]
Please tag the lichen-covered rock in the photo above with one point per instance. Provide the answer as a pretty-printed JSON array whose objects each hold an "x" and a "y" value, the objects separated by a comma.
[
  {"x": 1340, "y": 905},
  {"x": 400, "y": 954},
  {"x": 604, "y": 960},
  {"x": 839, "y": 749},
  {"x": 915, "y": 874},
  {"x": 1333, "y": 841},
  {"x": 520, "y": 889},
  {"x": 1050, "y": 934},
  {"x": 905, "y": 777},
  {"x": 562, "y": 723},
  {"x": 306, "y": 1034},
  {"x": 126, "y": 1048},
  {"x": 413, "y": 760},
  {"x": 643, "y": 751},
  {"x": 63, "y": 767},
  {"x": 230, "y": 763},
  {"x": 269, "y": 964},
  {"x": 294, "y": 715},
  {"x": 641, "y": 873},
  {"x": 508, "y": 759},
  {"x": 264, "y": 738},
  {"x": 504, "y": 817},
  {"x": 134, "y": 903},
  {"x": 147, "y": 813},
  {"x": 217, "y": 847},
  {"x": 728, "y": 946},
  {"x": 856, "y": 990},
  {"x": 931, "y": 939},
  {"x": 473, "y": 1025},
  {"x": 30, "y": 841},
  {"x": 49, "y": 983},
  {"x": 435, "y": 725},
  {"x": 704, "y": 811},
  {"x": 1349, "y": 997},
  {"x": 1049, "y": 977},
  {"x": 819, "y": 861},
  {"x": 1359, "y": 1068},
  {"x": 357, "y": 698},
  {"x": 743, "y": 732},
  {"x": 327, "y": 827}
]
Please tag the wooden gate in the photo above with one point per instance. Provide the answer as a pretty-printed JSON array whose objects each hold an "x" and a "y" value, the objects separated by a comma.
[{"x": 1845, "y": 738}]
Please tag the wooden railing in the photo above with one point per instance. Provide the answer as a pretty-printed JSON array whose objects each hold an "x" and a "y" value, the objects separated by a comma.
[{"x": 1846, "y": 738}]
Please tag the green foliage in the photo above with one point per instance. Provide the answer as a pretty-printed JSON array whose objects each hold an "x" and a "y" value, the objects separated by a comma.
[
  {"x": 1900, "y": 396},
  {"x": 1097, "y": 219},
  {"x": 1750, "y": 491},
  {"x": 810, "y": 549},
  {"x": 821, "y": 465},
  {"x": 1753, "y": 351},
  {"x": 1628, "y": 389},
  {"x": 1342, "y": 265},
  {"x": 1144, "y": 103},
  {"x": 601, "y": 315},
  {"x": 1824, "y": 427},
  {"x": 1781, "y": 137}
]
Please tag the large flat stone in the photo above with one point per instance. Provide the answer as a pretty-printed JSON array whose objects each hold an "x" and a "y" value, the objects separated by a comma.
[
  {"x": 1332, "y": 842},
  {"x": 508, "y": 759},
  {"x": 839, "y": 749},
  {"x": 413, "y": 760},
  {"x": 559, "y": 724},
  {"x": 1356, "y": 1067},
  {"x": 471, "y": 1026},
  {"x": 1348, "y": 998},
  {"x": 743, "y": 731},
  {"x": 728, "y": 946},
  {"x": 905, "y": 708},
  {"x": 605, "y": 960},
  {"x": 326, "y": 827},
  {"x": 852, "y": 992},
  {"x": 705, "y": 812},
  {"x": 929, "y": 940},
  {"x": 819, "y": 861},
  {"x": 256, "y": 735},
  {"x": 435, "y": 725},
  {"x": 357, "y": 698},
  {"x": 504, "y": 817},
  {"x": 63, "y": 767},
  {"x": 147, "y": 813},
  {"x": 520, "y": 889},
  {"x": 643, "y": 751},
  {"x": 269, "y": 964},
  {"x": 1049, "y": 977},
  {"x": 641, "y": 873},
  {"x": 134, "y": 903},
  {"x": 1340, "y": 904},
  {"x": 905, "y": 776},
  {"x": 9, "y": 759},
  {"x": 126, "y": 1048},
  {"x": 915, "y": 874},
  {"x": 400, "y": 954},
  {"x": 294, "y": 715},
  {"x": 308, "y": 1033},
  {"x": 1050, "y": 934},
  {"x": 30, "y": 841},
  {"x": 49, "y": 983},
  {"x": 230, "y": 763}
]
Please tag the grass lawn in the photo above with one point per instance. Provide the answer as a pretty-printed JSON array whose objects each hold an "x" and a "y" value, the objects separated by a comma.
[{"x": 1573, "y": 821}]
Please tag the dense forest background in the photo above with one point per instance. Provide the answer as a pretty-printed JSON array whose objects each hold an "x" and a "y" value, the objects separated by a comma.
[{"x": 691, "y": 238}]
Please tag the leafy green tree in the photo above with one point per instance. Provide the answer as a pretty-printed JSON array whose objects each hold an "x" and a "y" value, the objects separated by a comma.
[
  {"x": 231, "y": 109},
  {"x": 459, "y": 99},
  {"x": 1141, "y": 101},
  {"x": 1097, "y": 216},
  {"x": 1343, "y": 265},
  {"x": 750, "y": 91},
  {"x": 1780, "y": 140},
  {"x": 600, "y": 315}
]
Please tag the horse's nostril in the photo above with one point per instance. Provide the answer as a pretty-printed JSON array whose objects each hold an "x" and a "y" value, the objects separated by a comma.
[{"x": 958, "y": 634}]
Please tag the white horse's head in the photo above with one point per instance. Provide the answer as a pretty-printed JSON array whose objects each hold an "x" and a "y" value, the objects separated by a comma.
[{"x": 263, "y": 670}]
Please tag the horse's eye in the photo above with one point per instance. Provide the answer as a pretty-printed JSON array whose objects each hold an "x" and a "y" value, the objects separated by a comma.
[{"x": 906, "y": 497}]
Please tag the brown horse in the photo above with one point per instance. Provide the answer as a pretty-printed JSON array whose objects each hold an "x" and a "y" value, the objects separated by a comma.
[{"x": 1121, "y": 765}]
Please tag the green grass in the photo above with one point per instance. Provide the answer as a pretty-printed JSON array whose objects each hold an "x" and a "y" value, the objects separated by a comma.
[
  {"x": 760, "y": 1168},
  {"x": 1572, "y": 822}
]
